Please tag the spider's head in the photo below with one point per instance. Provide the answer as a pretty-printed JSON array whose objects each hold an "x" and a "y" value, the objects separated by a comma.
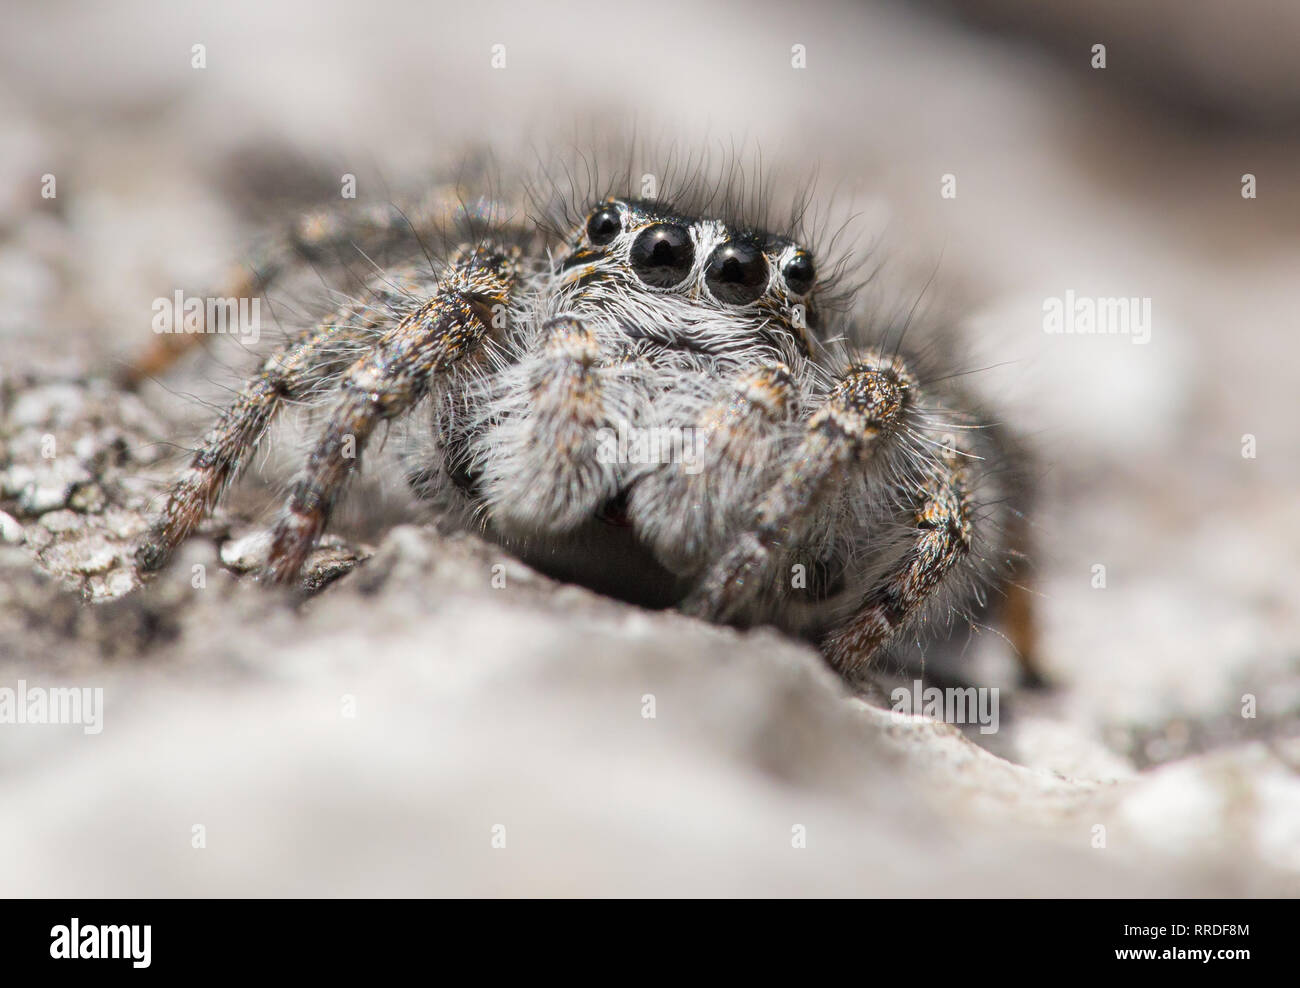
[{"x": 688, "y": 281}]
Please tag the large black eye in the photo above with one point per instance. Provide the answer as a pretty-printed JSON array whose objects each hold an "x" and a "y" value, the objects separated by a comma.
[
  {"x": 662, "y": 255},
  {"x": 604, "y": 225},
  {"x": 736, "y": 273},
  {"x": 799, "y": 273}
]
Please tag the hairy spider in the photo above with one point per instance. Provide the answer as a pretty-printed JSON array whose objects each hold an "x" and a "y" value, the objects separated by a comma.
[{"x": 657, "y": 398}]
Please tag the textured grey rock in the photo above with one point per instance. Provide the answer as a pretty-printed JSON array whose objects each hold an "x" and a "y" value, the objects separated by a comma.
[
  {"x": 248, "y": 552},
  {"x": 10, "y": 529}
]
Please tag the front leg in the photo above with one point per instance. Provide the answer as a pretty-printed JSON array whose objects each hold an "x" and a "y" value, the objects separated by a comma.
[
  {"x": 546, "y": 469},
  {"x": 859, "y": 418},
  {"x": 385, "y": 383},
  {"x": 940, "y": 539},
  {"x": 688, "y": 509}
]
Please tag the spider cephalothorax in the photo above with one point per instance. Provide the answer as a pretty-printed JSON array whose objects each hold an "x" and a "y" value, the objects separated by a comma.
[
  {"x": 652, "y": 402},
  {"x": 690, "y": 282}
]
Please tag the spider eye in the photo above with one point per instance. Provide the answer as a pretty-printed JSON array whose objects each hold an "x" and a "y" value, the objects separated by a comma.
[
  {"x": 662, "y": 255},
  {"x": 736, "y": 273},
  {"x": 604, "y": 225},
  {"x": 799, "y": 273}
]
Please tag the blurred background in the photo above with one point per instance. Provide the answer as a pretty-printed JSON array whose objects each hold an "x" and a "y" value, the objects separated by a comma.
[{"x": 1117, "y": 181}]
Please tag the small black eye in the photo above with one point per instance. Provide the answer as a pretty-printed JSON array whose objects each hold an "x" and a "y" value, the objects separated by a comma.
[
  {"x": 662, "y": 255},
  {"x": 799, "y": 273},
  {"x": 736, "y": 273},
  {"x": 604, "y": 225}
]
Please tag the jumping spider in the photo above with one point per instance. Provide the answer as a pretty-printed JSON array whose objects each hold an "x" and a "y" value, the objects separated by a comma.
[{"x": 837, "y": 489}]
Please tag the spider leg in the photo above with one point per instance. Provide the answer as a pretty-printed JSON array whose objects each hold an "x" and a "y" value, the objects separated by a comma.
[
  {"x": 290, "y": 373},
  {"x": 941, "y": 524},
  {"x": 547, "y": 470},
  {"x": 686, "y": 507},
  {"x": 856, "y": 420},
  {"x": 330, "y": 237},
  {"x": 386, "y": 382},
  {"x": 312, "y": 238}
]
